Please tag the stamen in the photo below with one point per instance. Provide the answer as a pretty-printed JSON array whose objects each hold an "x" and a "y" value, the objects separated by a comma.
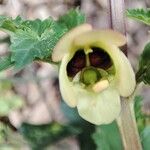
[
  {"x": 87, "y": 51},
  {"x": 100, "y": 86}
]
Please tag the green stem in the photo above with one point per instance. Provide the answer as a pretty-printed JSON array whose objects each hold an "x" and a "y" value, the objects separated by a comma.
[{"x": 127, "y": 125}]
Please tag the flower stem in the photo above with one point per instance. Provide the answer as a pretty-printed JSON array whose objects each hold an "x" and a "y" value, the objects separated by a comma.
[
  {"x": 127, "y": 125},
  {"x": 126, "y": 120}
]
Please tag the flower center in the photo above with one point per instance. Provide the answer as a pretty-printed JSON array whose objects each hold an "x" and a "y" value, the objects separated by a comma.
[
  {"x": 77, "y": 63},
  {"x": 94, "y": 57},
  {"x": 100, "y": 59},
  {"x": 90, "y": 75}
]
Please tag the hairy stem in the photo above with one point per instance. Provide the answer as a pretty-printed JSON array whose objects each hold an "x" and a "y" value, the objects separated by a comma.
[
  {"x": 126, "y": 120},
  {"x": 127, "y": 125},
  {"x": 117, "y": 18}
]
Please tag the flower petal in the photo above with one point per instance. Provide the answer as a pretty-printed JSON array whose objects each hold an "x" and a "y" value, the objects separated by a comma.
[
  {"x": 111, "y": 36},
  {"x": 125, "y": 77},
  {"x": 97, "y": 108},
  {"x": 66, "y": 87},
  {"x": 65, "y": 43},
  {"x": 101, "y": 108}
]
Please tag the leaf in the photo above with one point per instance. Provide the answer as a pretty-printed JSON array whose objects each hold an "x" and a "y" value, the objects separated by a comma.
[
  {"x": 36, "y": 41},
  {"x": 9, "y": 102},
  {"x": 6, "y": 23},
  {"x": 143, "y": 73},
  {"x": 9, "y": 24},
  {"x": 10, "y": 140},
  {"x": 145, "y": 138},
  {"x": 139, "y": 115},
  {"x": 87, "y": 129},
  {"x": 72, "y": 19},
  {"x": 107, "y": 137},
  {"x": 40, "y": 136},
  {"x": 71, "y": 114},
  {"x": 142, "y": 15},
  {"x": 142, "y": 122},
  {"x": 5, "y": 62}
]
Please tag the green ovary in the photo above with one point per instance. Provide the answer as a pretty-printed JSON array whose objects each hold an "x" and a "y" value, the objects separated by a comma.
[{"x": 90, "y": 75}]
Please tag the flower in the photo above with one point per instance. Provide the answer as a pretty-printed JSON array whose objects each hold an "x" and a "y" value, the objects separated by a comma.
[{"x": 94, "y": 72}]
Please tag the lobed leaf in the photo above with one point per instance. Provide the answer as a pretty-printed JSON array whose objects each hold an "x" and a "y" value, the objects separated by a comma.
[
  {"x": 72, "y": 19},
  {"x": 5, "y": 62},
  {"x": 35, "y": 39},
  {"x": 142, "y": 15}
]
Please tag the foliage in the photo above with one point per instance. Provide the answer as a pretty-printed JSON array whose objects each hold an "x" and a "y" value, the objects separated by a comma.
[
  {"x": 87, "y": 129},
  {"x": 72, "y": 19},
  {"x": 141, "y": 118},
  {"x": 143, "y": 73},
  {"x": 10, "y": 140},
  {"x": 8, "y": 103},
  {"x": 142, "y": 15},
  {"x": 107, "y": 137},
  {"x": 5, "y": 62},
  {"x": 143, "y": 123},
  {"x": 35, "y": 39},
  {"x": 8, "y": 100},
  {"x": 40, "y": 136},
  {"x": 145, "y": 138}
]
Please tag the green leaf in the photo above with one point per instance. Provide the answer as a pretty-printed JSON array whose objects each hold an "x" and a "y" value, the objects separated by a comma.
[
  {"x": 35, "y": 39},
  {"x": 9, "y": 102},
  {"x": 145, "y": 138},
  {"x": 71, "y": 114},
  {"x": 107, "y": 137},
  {"x": 9, "y": 139},
  {"x": 40, "y": 136},
  {"x": 10, "y": 25},
  {"x": 139, "y": 115},
  {"x": 5, "y": 62},
  {"x": 140, "y": 15},
  {"x": 72, "y": 19},
  {"x": 87, "y": 129},
  {"x": 143, "y": 73},
  {"x": 6, "y": 23}
]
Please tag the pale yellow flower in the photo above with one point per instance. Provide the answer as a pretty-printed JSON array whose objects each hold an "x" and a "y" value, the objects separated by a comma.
[{"x": 94, "y": 72}]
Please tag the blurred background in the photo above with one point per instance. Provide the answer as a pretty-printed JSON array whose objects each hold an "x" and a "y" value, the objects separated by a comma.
[{"x": 32, "y": 115}]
